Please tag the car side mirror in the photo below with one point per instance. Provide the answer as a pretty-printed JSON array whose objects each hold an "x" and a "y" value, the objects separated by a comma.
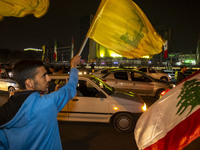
[{"x": 100, "y": 95}]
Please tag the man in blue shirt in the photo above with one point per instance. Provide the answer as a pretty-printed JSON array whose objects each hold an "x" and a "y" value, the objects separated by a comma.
[{"x": 29, "y": 120}]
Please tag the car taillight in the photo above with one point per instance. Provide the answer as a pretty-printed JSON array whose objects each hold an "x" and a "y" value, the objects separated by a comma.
[{"x": 164, "y": 92}]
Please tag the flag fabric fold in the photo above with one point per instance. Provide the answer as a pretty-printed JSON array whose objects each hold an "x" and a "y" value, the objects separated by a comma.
[
  {"x": 20, "y": 8},
  {"x": 55, "y": 51},
  {"x": 121, "y": 26},
  {"x": 172, "y": 122}
]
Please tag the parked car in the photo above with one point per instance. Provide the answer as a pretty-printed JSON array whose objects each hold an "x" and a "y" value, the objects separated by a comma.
[
  {"x": 7, "y": 83},
  {"x": 155, "y": 74},
  {"x": 98, "y": 102},
  {"x": 130, "y": 80}
]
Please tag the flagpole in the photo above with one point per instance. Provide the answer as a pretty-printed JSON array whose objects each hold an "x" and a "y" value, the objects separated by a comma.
[
  {"x": 72, "y": 48},
  {"x": 83, "y": 45}
]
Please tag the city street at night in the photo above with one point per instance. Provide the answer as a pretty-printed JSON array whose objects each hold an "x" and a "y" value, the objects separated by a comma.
[{"x": 99, "y": 75}]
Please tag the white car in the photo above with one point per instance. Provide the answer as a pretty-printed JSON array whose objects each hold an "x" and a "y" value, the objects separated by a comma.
[
  {"x": 97, "y": 102},
  {"x": 8, "y": 84},
  {"x": 155, "y": 74}
]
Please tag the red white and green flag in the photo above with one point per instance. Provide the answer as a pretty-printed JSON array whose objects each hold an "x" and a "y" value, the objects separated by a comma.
[
  {"x": 166, "y": 49},
  {"x": 172, "y": 122},
  {"x": 55, "y": 51}
]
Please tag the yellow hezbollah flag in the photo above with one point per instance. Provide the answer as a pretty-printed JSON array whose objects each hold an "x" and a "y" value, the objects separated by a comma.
[
  {"x": 121, "y": 26},
  {"x": 20, "y": 8}
]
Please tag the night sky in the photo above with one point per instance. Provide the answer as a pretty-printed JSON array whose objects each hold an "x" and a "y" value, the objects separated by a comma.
[{"x": 62, "y": 20}]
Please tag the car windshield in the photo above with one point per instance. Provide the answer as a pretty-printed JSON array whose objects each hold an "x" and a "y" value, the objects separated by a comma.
[{"x": 108, "y": 89}]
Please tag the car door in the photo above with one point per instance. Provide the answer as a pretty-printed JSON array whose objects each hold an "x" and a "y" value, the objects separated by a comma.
[
  {"x": 153, "y": 73},
  {"x": 86, "y": 105},
  {"x": 3, "y": 84},
  {"x": 121, "y": 81},
  {"x": 141, "y": 84}
]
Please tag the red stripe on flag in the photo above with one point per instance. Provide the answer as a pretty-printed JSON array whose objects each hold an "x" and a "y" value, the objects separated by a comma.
[
  {"x": 54, "y": 55},
  {"x": 165, "y": 53},
  {"x": 181, "y": 135},
  {"x": 166, "y": 49}
]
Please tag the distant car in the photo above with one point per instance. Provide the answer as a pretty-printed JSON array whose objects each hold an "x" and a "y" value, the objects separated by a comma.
[
  {"x": 7, "y": 83},
  {"x": 155, "y": 74},
  {"x": 130, "y": 80},
  {"x": 98, "y": 102},
  {"x": 83, "y": 71}
]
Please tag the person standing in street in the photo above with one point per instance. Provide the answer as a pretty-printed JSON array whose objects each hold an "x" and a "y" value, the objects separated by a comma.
[
  {"x": 28, "y": 121},
  {"x": 51, "y": 70},
  {"x": 181, "y": 74}
]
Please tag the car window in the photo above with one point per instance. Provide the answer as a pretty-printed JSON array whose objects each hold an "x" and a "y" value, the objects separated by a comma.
[
  {"x": 86, "y": 89},
  {"x": 56, "y": 84},
  {"x": 143, "y": 69},
  {"x": 121, "y": 75},
  {"x": 135, "y": 76},
  {"x": 4, "y": 74},
  {"x": 106, "y": 88},
  {"x": 105, "y": 71},
  {"x": 151, "y": 70}
]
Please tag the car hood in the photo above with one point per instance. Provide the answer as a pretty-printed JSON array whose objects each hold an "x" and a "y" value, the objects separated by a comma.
[{"x": 127, "y": 97}]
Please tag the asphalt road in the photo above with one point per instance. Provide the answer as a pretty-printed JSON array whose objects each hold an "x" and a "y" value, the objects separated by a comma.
[
  {"x": 94, "y": 136},
  {"x": 3, "y": 97},
  {"x": 98, "y": 136}
]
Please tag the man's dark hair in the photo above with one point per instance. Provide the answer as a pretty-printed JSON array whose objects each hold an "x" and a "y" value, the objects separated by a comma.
[{"x": 25, "y": 69}]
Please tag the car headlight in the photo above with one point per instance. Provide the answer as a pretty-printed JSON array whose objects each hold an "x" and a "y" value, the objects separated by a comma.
[
  {"x": 172, "y": 86},
  {"x": 115, "y": 108},
  {"x": 144, "y": 107}
]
